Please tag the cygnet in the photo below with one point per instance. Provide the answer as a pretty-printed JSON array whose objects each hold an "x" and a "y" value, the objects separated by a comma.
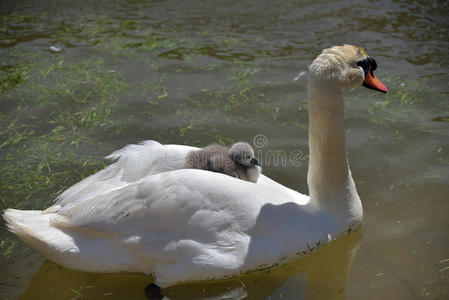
[{"x": 238, "y": 161}]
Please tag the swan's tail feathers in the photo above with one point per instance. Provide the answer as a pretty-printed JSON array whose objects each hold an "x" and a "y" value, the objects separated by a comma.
[
  {"x": 77, "y": 248},
  {"x": 35, "y": 228}
]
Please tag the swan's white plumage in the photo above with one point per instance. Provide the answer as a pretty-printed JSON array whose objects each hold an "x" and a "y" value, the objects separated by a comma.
[{"x": 147, "y": 213}]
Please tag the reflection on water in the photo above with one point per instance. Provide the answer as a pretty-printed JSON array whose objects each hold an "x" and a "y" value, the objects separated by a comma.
[{"x": 322, "y": 275}]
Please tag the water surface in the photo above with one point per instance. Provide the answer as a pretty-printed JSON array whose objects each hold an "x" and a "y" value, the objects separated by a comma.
[{"x": 201, "y": 72}]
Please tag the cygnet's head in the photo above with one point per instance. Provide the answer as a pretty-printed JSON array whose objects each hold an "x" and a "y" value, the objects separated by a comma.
[
  {"x": 347, "y": 66},
  {"x": 242, "y": 153}
]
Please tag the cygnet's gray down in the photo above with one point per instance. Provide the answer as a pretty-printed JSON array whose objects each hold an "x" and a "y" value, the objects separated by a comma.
[{"x": 239, "y": 161}]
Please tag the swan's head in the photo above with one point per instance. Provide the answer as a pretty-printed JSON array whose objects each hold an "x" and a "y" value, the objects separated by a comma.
[
  {"x": 346, "y": 66},
  {"x": 242, "y": 153}
]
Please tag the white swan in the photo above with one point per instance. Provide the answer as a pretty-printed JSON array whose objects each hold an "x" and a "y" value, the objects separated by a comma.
[{"x": 145, "y": 213}]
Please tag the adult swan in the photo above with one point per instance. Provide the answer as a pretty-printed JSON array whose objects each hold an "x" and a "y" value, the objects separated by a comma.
[{"x": 147, "y": 213}]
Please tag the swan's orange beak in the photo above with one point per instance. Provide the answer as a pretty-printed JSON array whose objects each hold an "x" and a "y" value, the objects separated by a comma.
[{"x": 373, "y": 83}]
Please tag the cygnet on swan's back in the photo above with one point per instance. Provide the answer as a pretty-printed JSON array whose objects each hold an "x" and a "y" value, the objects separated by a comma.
[{"x": 239, "y": 161}]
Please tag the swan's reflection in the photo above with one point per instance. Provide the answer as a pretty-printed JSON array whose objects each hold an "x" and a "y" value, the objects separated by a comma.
[{"x": 321, "y": 275}]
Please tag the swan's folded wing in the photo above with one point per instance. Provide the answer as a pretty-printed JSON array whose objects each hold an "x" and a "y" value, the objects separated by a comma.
[{"x": 184, "y": 215}]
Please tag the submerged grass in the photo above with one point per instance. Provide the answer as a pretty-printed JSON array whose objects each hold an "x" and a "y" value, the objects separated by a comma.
[
  {"x": 60, "y": 107},
  {"x": 401, "y": 104}
]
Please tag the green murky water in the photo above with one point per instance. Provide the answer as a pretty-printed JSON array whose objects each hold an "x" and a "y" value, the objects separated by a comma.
[{"x": 201, "y": 72}]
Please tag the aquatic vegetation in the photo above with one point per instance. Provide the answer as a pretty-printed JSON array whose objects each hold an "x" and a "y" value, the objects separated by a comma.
[
  {"x": 404, "y": 99},
  {"x": 58, "y": 107},
  {"x": 11, "y": 77},
  {"x": 7, "y": 245}
]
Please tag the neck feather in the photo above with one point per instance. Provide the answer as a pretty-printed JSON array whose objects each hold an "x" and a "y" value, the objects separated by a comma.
[{"x": 330, "y": 182}]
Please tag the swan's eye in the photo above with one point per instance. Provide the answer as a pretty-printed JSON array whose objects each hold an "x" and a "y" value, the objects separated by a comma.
[
  {"x": 367, "y": 64},
  {"x": 372, "y": 63}
]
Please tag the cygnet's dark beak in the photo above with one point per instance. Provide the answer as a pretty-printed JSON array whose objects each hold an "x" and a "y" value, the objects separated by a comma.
[{"x": 254, "y": 162}]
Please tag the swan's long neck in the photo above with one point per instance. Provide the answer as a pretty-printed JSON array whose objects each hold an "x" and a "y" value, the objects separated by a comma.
[{"x": 330, "y": 182}]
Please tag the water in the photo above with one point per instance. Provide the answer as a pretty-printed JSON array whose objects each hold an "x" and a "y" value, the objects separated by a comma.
[{"x": 198, "y": 72}]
